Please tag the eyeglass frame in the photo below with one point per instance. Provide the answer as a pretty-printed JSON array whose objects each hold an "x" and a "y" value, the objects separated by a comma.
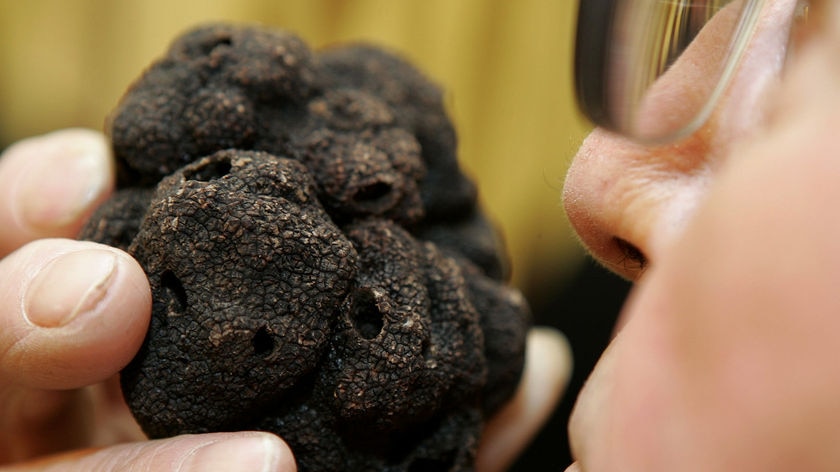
[{"x": 593, "y": 43}]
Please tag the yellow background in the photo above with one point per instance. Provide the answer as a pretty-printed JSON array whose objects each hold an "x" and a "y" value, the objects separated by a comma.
[{"x": 504, "y": 66}]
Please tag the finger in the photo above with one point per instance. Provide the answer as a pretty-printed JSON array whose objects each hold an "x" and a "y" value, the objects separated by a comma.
[
  {"x": 547, "y": 371},
  {"x": 50, "y": 184},
  {"x": 40, "y": 422},
  {"x": 112, "y": 421},
  {"x": 261, "y": 452},
  {"x": 73, "y": 313}
]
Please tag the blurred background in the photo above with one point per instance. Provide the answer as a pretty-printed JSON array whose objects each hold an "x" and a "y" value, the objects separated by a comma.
[{"x": 505, "y": 68}]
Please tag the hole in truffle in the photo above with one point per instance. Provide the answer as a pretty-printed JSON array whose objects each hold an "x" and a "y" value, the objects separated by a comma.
[
  {"x": 217, "y": 42},
  {"x": 426, "y": 349},
  {"x": 224, "y": 41},
  {"x": 366, "y": 317},
  {"x": 210, "y": 171},
  {"x": 372, "y": 192},
  {"x": 174, "y": 290},
  {"x": 263, "y": 342}
]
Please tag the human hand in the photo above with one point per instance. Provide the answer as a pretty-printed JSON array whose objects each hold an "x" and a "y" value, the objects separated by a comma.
[{"x": 72, "y": 315}]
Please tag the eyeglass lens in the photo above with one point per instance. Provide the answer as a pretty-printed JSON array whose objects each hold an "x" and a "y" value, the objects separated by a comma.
[{"x": 653, "y": 69}]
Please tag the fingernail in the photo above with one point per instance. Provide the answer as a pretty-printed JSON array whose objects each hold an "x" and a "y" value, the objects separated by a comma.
[
  {"x": 260, "y": 453},
  {"x": 68, "y": 176},
  {"x": 72, "y": 284}
]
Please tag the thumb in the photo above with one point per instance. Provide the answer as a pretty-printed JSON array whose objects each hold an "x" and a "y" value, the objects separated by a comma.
[
  {"x": 261, "y": 452},
  {"x": 73, "y": 313}
]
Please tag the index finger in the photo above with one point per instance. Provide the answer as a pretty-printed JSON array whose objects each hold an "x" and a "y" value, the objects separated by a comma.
[{"x": 50, "y": 184}]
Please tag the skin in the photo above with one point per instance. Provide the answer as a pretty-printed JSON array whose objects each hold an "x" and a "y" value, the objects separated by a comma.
[
  {"x": 725, "y": 357},
  {"x": 75, "y": 313}
]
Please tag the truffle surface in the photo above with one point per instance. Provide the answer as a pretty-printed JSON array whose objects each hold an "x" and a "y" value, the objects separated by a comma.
[{"x": 320, "y": 266}]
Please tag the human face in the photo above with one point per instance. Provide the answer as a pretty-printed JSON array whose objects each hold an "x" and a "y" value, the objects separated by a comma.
[{"x": 725, "y": 357}]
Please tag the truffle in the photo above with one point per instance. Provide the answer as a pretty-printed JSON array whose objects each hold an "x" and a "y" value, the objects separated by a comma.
[{"x": 320, "y": 266}]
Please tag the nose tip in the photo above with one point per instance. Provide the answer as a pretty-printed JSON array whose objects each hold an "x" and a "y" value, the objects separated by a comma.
[
  {"x": 595, "y": 197},
  {"x": 621, "y": 254},
  {"x": 626, "y": 202}
]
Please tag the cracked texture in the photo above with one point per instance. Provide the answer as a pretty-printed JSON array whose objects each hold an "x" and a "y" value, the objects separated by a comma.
[{"x": 319, "y": 264}]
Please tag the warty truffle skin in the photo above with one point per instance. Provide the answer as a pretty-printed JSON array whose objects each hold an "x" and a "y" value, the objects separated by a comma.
[{"x": 320, "y": 266}]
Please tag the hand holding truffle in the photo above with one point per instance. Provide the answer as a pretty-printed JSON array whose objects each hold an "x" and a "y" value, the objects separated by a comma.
[
  {"x": 73, "y": 314},
  {"x": 314, "y": 262}
]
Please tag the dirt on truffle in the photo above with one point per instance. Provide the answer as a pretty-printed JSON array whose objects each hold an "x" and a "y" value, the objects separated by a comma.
[{"x": 319, "y": 264}]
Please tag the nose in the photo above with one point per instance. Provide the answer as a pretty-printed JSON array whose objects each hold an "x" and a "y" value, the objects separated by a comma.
[
  {"x": 629, "y": 202},
  {"x": 626, "y": 201}
]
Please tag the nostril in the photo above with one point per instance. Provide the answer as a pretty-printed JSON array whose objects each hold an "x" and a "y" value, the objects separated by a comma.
[{"x": 633, "y": 259}]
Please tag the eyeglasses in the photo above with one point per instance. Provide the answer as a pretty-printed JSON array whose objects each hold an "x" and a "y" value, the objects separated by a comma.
[{"x": 626, "y": 51}]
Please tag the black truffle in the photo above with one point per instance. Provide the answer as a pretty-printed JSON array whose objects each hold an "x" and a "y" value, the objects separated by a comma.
[{"x": 320, "y": 267}]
